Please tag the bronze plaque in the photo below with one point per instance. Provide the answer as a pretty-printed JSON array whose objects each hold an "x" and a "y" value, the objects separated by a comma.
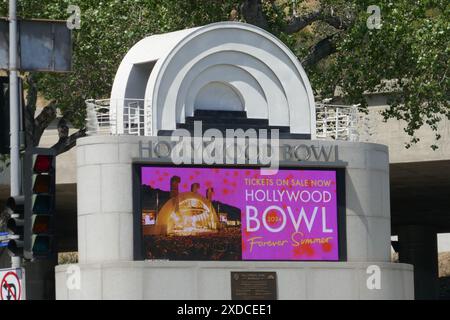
[{"x": 253, "y": 286}]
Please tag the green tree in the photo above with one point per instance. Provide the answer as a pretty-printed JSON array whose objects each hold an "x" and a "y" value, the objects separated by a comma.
[{"x": 407, "y": 54}]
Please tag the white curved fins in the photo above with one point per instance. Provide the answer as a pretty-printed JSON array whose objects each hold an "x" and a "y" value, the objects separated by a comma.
[{"x": 226, "y": 65}]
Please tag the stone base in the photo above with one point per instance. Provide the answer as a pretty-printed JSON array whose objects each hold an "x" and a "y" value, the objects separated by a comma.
[{"x": 182, "y": 280}]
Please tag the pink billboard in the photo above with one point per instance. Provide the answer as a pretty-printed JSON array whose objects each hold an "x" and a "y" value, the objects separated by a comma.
[{"x": 204, "y": 213}]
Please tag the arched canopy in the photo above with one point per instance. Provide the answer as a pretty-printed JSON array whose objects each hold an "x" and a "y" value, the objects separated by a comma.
[{"x": 221, "y": 66}]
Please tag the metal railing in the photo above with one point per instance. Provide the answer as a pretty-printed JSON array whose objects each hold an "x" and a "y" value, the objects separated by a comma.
[
  {"x": 338, "y": 122},
  {"x": 333, "y": 122},
  {"x": 102, "y": 117}
]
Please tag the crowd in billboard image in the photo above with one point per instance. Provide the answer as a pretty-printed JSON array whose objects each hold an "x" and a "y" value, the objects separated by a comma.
[{"x": 204, "y": 213}]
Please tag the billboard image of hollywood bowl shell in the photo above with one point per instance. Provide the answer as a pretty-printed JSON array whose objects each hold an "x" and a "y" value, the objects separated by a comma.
[{"x": 206, "y": 213}]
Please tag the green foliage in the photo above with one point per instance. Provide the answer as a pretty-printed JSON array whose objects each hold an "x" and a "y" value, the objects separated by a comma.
[
  {"x": 408, "y": 55},
  {"x": 108, "y": 29},
  {"x": 411, "y": 49},
  {"x": 67, "y": 258}
]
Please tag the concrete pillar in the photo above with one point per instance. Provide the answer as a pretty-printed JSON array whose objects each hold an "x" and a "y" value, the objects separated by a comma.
[
  {"x": 104, "y": 197},
  {"x": 418, "y": 246}
]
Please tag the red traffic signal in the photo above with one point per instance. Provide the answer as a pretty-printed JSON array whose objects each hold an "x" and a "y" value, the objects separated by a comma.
[{"x": 43, "y": 163}]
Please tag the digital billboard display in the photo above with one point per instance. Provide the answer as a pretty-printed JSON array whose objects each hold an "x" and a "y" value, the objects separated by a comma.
[{"x": 211, "y": 213}]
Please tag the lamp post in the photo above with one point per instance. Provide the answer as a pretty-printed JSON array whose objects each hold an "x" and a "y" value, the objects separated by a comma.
[
  {"x": 14, "y": 111},
  {"x": 16, "y": 188}
]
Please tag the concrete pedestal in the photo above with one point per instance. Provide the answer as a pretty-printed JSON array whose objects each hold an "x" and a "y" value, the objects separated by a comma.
[
  {"x": 105, "y": 235},
  {"x": 183, "y": 280}
]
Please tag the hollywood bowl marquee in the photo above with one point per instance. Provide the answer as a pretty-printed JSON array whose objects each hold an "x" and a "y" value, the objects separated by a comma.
[
  {"x": 223, "y": 180},
  {"x": 232, "y": 153}
]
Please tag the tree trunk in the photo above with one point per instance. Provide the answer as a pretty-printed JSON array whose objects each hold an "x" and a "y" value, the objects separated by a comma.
[
  {"x": 35, "y": 127},
  {"x": 252, "y": 12}
]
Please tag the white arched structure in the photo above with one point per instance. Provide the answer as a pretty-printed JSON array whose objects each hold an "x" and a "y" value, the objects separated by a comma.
[{"x": 221, "y": 66}]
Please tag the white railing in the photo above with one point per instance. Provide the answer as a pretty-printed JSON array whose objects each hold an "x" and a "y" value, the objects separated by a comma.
[
  {"x": 102, "y": 117},
  {"x": 333, "y": 122},
  {"x": 337, "y": 122}
]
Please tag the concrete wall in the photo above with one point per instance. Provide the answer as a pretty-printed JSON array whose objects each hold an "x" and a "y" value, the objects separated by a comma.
[
  {"x": 156, "y": 280},
  {"x": 105, "y": 228},
  {"x": 391, "y": 133}
]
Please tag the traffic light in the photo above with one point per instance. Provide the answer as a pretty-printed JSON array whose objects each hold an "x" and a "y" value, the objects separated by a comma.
[
  {"x": 40, "y": 204},
  {"x": 15, "y": 225}
]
